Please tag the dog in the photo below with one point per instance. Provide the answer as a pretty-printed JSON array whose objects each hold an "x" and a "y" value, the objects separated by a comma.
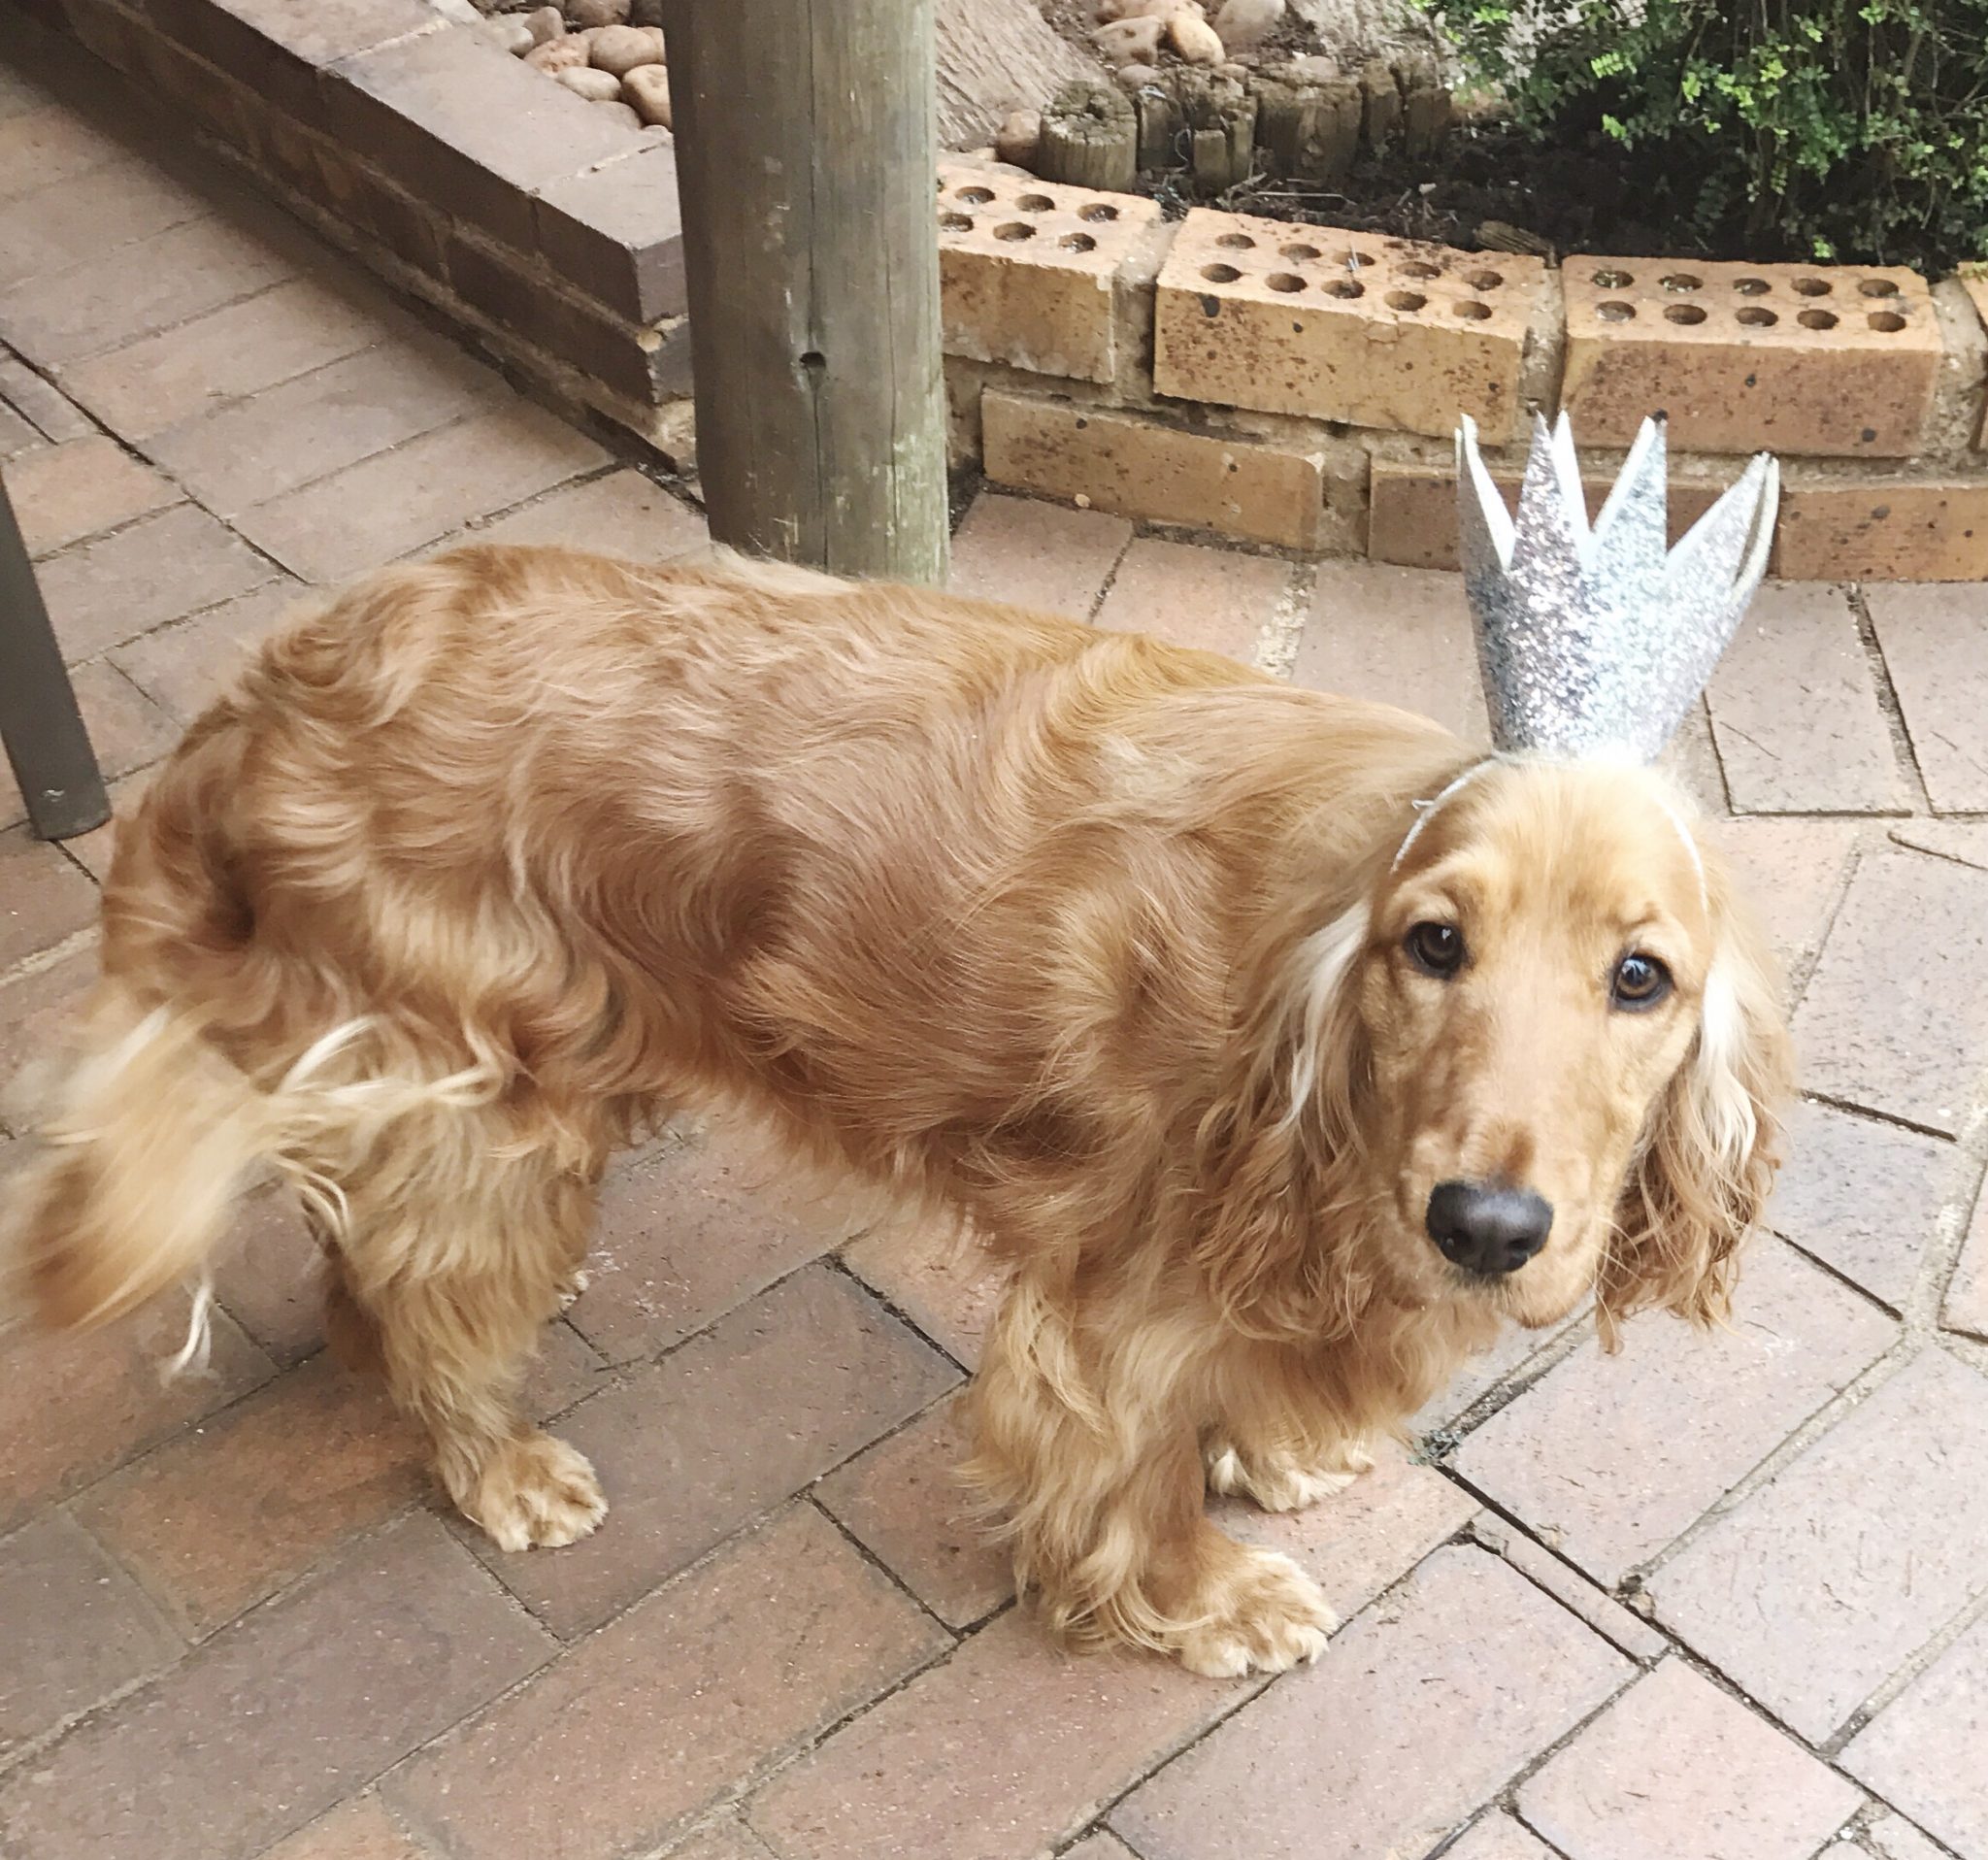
[{"x": 1281, "y": 1048}]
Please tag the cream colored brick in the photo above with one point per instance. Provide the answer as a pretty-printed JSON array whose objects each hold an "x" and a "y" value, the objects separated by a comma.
[
  {"x": 1413, "y": 518},
  {"x": 1348, "y": 327},
  {"x": 1976, "y": 285},
  {"x": 1885, "y": 530},
  {"x": 1026, "y": 269},
  {"x": 1141, "y": 467},
  {"x": 1820, "y": 361}
]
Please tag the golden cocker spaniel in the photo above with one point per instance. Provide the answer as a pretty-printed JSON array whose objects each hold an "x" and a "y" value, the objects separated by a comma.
[{"x": 1281, "y": 1047}]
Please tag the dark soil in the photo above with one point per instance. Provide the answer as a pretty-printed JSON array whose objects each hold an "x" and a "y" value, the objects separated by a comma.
[
  {"x": 1488, "y": 189},
  {"x": 1488, "y": 183}
]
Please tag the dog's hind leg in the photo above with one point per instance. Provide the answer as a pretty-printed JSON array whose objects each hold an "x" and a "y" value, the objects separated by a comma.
[{"x": 456, "y": 1290}]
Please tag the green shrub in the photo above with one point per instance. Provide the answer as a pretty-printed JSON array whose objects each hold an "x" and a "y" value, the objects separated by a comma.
[{"x": 1854, "y": 131}]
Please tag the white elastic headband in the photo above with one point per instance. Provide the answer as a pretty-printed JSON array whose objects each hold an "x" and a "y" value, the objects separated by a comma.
[{"x": 1426, "y": 811}]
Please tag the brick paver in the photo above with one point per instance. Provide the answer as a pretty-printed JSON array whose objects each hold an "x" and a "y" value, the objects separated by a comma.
[
  {"x": 728, "y": 1841},
  {"x": 43, "y": 897},
  {"x": 238, "y": 1623},
  {"x": 1967, "y": 1297},
  {"x": 683, "y": 1236},
  {"x": 940, "y": 1284},
  {"x": 1792, "y": 871},
  {"x": 1862, "y": 1196},
  {"x": 275, "y": 1720},
  {"x": 1498, "y": 1837},
  {"x": 678, "y": 1701},
  {"x": 1612, "y": 1458},
  {"x": 1008, "y": 548},
  {"x": 113, "y": 587},
  {"x": 1895, "y": 1837},
  {"x": 182, "y": 667},
  {"x": 1923, "y": 1751},
  {"x": 63, "y": 493},
  {"x": 160, "y": 381},
  {"x": 218, "y": 1518},
  {"x": 361, "y": 1829},
  {"x": 1824, "y": 1582},
  {"x": 78, "y": 1405},
  {"x": 1368, "y": 1537},
  {"x": 396, "y": 501},
  {"x": 691, "y": 1448},
  {"x": 1677, "y": 1770},
  {"x": 1795, "y": 710},
  {"x": 1006, "y": 1749},
  {"x": 901, "y": 1502},
  {"x": 1412, "y": 1718},
  {"x": 258, "y": 448},
  {"x": 1892, "y": 1019},
  {"x": 1420, "y": 657},
  {"x": 1932, "y": 640},
  {"x": 115, "y": 297},
  {"x": 78, "y": 1629},
  {"x": 1217, "y": 601}
]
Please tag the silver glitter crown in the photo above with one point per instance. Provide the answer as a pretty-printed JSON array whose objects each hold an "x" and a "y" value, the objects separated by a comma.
[{"x": 1595, "y": 642}]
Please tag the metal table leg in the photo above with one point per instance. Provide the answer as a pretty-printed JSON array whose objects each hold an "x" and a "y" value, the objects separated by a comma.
[{"x": 43, "y": 730}]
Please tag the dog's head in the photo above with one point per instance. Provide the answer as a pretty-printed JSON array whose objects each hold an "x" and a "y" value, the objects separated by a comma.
[{"x": 1540, "y": 1056}]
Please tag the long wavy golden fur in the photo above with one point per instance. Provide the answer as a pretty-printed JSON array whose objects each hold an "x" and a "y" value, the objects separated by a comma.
[{"x": 1100, "y": 945}]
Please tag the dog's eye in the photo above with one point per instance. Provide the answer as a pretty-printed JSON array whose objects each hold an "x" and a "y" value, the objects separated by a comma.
[
  {"x": 1436, "y": 949},
  {"x": 1640, "y": 981}
]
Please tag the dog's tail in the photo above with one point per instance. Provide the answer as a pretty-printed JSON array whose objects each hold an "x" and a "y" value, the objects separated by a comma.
[{"x": 151, "y": 1137}]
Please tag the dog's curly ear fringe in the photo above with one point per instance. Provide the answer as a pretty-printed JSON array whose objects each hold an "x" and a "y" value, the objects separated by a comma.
[
  {"x": 1707, "y": 1164},
  {"x": 1271, "y": 1150}
]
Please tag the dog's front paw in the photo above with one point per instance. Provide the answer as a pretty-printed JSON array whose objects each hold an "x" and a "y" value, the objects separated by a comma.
[
  {"x": 1262, "y": 1615},
  {"x": 1279, "y": 1482},
  {"x": 536, "y": 1493},
  {"x": 570, "y": 1288}
]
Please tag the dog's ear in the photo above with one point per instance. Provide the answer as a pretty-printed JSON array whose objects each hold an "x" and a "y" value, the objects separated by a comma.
[
  {"x": 1273, "y": 1148},
  {"x": 1707, "y": 1164}
]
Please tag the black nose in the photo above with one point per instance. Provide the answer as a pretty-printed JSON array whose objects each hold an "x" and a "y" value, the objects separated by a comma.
[{"x": 1488, "y": 1228}]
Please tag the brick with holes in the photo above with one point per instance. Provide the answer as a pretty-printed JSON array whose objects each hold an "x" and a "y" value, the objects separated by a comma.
[
  {"x": 1026, "y": 270},
  {"x": 1821, "y": 360},
  {"x": 1336, "y": 325}
]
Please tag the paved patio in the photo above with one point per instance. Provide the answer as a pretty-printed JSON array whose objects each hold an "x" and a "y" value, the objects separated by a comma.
[{"x": 1715, "y": 1597}]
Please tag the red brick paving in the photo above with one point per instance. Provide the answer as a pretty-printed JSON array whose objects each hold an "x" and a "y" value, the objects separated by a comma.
[
  {"x": 1892, "y": 1019},
  {"x": 1795, "y": 712},
  {"x": 1611, "y": 1457},
  {"x": 235, "y": 1628},
  {"x": 1008, "y": 548},
  {"x": 901, "y": 1502},
  {"x": 1931, "y": 641},
  {"x": 1828, "y": 1579},
  {"x": 1868, "y": 1201},
  {"x": 1923, "y": 1751},
  {"x": 685, "y": 1235},
  {"x": 1677, "y": 1770},
  {"x": 691, "y": 1448},
  {"x": 676, "y": 1704},
  {"x": 1214, "y": 600},
  {"x": 1395, "y": 636},
  {"x": 1417, "y": 1714},
  {"x": 1009, "y": 1747}
]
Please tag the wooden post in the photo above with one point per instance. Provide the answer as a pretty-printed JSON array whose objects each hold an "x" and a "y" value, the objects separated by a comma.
[
  {"x": 806, "y": 153},
  {"x": 1090, "y": 138}
]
